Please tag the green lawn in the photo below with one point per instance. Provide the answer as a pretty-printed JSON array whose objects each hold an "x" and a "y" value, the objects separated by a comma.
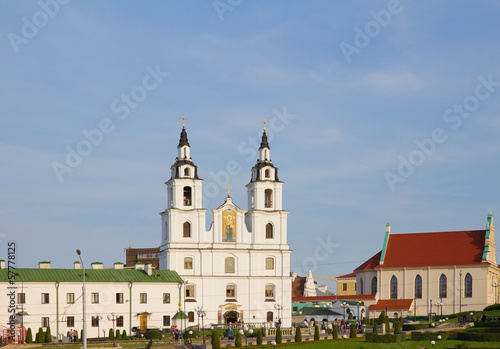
[{"x": 362, "y": 344}]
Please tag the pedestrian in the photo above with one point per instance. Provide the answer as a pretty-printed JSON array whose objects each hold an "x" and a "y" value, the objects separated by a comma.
[{"x": 231, "y": 333}]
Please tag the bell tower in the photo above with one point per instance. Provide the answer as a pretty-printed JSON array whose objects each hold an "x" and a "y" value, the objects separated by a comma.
[{"x": 265, "y": 217}]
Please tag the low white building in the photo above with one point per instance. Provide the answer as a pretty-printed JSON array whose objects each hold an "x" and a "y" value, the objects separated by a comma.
[{"x": 140, "y": 298}]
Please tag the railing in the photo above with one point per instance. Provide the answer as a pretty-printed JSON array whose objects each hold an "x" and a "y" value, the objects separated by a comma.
[
  {"x": 285, "y": 331},
  {"x": 242, "y": 325}
]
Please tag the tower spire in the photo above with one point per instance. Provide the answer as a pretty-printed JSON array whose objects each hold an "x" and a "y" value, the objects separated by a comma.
[{"x": 183, "y": 140}]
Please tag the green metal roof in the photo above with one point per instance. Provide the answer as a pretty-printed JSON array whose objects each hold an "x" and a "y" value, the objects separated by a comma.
[
  {"x": 319, "y": 311},
  {"x": 91, "y": 275},
  {"x": 180, "y": 315}
]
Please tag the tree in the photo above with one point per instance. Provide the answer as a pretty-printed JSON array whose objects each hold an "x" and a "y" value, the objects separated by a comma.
[
  {"x": 124, "y": 335},
  {"x": 29, "y": 336},
  {"x": 335, "y": 333},
  {"x": 48, "y": 335},
  {"x": 81, "y": 336},
  {"x": 259, "y": 337},
  {"x": 118, "y": 335},
  {"x": 279, "y": 338},
  {"x": 387, "y": 324},
  {"x": 375, "y": 328},
  {"x": 381, "y": 318},
  {"x": 397, "y": 326},
  {"x": 111, "y": 335},
  {"x": 237, "y": 340},
  {"x": 215, "y": 339},
  {"x": 40, "y": 336},
  {"x": 298, "y": 335},
  {"x": 353, "y": 333},
  {"x": 316, "y": 333}
]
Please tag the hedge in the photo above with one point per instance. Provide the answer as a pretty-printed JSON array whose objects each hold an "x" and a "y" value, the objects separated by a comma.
[
  {"x": 479, "y": 336},
  {"x": 386, "y": 338},
  {"x": 487, "y": 324},
  {"x": 492, "y": 307},
  {"x": 428, "y": 336}
]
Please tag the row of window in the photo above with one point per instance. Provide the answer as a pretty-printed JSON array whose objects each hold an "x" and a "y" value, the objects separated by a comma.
[
  {"x": 231, "y": 292},
  {"x": 229, "y": 263},
  {"x": 443, "y": 286},
  {"x": 94, "y": 298},
  {"x": 186, "y": 230},
  {"x": 268, "y": 194}
]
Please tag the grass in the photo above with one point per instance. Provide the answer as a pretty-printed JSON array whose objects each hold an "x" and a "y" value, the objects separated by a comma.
[{"x": 362, "y": 344}]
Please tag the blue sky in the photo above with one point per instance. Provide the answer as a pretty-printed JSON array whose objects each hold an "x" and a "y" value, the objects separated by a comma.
[{"x": 382, "y": 111}]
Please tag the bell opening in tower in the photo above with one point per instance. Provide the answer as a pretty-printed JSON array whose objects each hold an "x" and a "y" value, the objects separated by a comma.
[{"x": 187, "y": 196}]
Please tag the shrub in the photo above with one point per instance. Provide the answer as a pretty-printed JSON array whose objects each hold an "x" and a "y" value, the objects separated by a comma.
[
  {"x": 387, "y": 324},
  {"x": 81, "y": 336},
  {"x": 386, "y": 338},
  {"x": 29, "y": 336},
  {"x": 216, "y": 340},
  {"x": 492, "y": 307},
  {"x": 482, "y": 335},
  {"x": 118, "y": 335},
  {"x": 428, "y": 336},
  {"x": 40, "y": 336},
  {"x": 298, "y": 335},
  {"x": 124, "y": 335},
  {"x": 335, "y": 333},
  {"x": 48, "y": 335},
  {"x": 279, "y": 338},
  {"x": 397, "y": 327},
  {"x": 381, "y": 317},
  {"x": 375, "y": 328},
  {"x": 259, "y": 337},
  {"x": 353, "y": 333},
  {"x": 155, "y": 334},
  {"x": 237, "y": 339},
  {"x": 316, "y": 333}
]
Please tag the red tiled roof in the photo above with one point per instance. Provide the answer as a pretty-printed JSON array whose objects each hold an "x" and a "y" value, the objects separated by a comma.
[
  {"x": 359, "y": 297},
  {"x": 435, "y": 249},
  {"x": 298, "y": 286},
  {"x": 347, "y": 276},
  {"x": 392, "y": 304},
  {"x": 371, "y": 263},
  {"x": 430, "y": 249}
]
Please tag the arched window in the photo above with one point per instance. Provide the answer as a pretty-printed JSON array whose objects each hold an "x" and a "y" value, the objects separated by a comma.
[
  {"x": 269, "y": 292},
  {"x": 188, "y": 263},
  {"x": 187, "y": 196},
  {"x": 269, "y": 231},
  {"x": 186, "y": 230},
  {"x": 186, "y": 172},
  {"x": 443, "y": 286},
  {"x": 267, "y": 173},
  {"x": 418, "y": 287},
  {"x": 374, "y": 285},
  {"x": 269, "y": 263},
  {"x": 229, "y": 265},
  {"x": 230, "y": 291},
  {"x": 394, "y": 287},
  {"x": 269, "y": 198},
  {"x": 468, "y": 286},
  {"x": 361, "y": 288}
]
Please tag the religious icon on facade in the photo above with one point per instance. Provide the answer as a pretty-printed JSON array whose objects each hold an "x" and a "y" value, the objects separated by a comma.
[{"x": 229, "y": 225}]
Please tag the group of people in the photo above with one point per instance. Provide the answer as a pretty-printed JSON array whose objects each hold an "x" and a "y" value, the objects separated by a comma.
[
  {"x": 175, "y": 333},
  {"x": 343, "y": 326},
  {"x": 72, "y": 335}
]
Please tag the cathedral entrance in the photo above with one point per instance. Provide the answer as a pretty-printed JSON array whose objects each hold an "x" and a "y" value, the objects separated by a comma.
[{"x": 231, "y": 317}]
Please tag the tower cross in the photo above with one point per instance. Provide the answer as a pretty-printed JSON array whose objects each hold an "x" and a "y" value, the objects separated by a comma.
[
  {"x": 183, "y": 119},
  {"x": 264, "y": 122},
  {"x": 228, "y": 187}
]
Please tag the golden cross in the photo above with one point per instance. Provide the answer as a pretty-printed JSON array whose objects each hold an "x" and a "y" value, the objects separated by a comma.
[
  {"x": 264, "y": 122},
  {"x": 183, "y": 119},
  {"x": 228, "y": 187}
]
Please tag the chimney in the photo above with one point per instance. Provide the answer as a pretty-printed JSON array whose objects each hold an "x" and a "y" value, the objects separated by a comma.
[
  {"x": 44, "y": 265},
  {"x": 97, "y": 265},
  {"x": 2, "y": 264},
  {"x": 77, "y": 265},
  {"x": 139, "y": 266},
  {"x": 149, "y": 269},
  {"x": 118, "y": 265}
]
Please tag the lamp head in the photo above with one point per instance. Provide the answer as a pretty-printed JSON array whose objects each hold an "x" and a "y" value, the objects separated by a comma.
[{"x": 78, "y": 252}]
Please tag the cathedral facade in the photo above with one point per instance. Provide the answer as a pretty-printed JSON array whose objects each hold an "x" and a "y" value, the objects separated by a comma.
[{"x": 238, "y": 270}]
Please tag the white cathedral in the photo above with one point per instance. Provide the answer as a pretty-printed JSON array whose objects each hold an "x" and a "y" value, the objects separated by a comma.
[{"x": 238, "y": 270}]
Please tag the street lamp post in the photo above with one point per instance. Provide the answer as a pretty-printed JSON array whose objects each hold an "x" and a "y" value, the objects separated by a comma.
[
  {"x": 84, "y": 327},
  {"x": 495, "y": 286},
  {"x": 99, "y": 318},
  {"x": 439, "y": 305},
  {"x": 201, "y": 312},
  {"x": 278, "y": 307},
  {"x": 112, "y": 317},
  {"x": 344, "y": 305}
]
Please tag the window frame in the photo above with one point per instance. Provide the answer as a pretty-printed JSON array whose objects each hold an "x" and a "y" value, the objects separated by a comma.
[
  {"x": 269, "y": 263},
  {"x": 166, "y": 298},
  {"x": 188, "y": 263},
  {"x": 94, "y": 298},
  {"x": 45, "y": 298},
  {"x": 143, "y": 298}
]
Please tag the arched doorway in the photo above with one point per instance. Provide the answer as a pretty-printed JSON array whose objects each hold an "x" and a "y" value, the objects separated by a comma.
[{"x": 231, "y": 317}]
